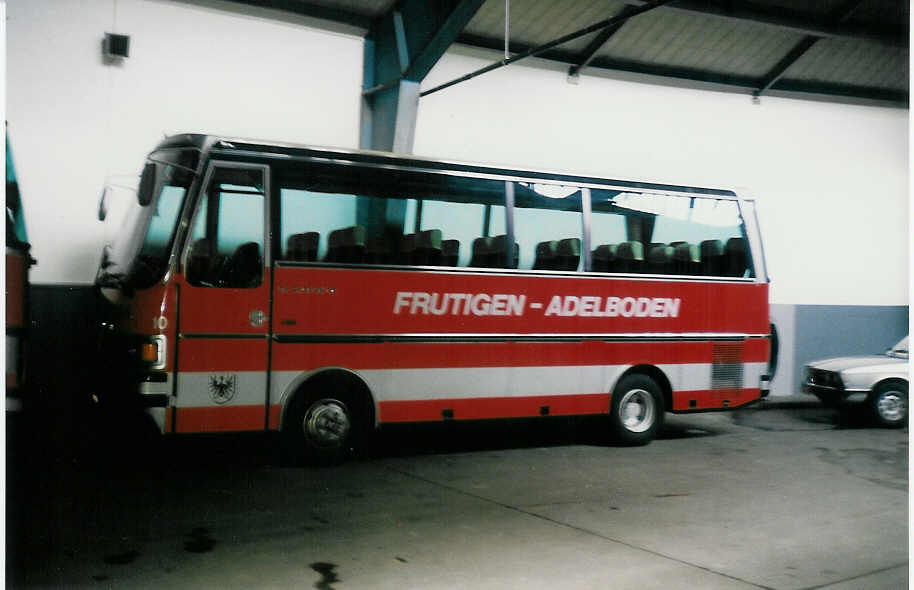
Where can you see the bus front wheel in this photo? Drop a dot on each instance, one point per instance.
(636, 410)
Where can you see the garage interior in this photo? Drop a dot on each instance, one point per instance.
(805, 104)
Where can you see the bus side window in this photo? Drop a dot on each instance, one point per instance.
(607, 233)
(308, 221)
(706, 236)
(667, 234)
(548, 226)
(448, 231)
(228, 235)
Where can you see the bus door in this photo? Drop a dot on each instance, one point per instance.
(224, 304)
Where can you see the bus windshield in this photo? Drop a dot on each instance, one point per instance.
(139, 255)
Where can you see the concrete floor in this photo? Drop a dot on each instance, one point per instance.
(784, 496)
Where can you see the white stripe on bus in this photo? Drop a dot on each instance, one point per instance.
(428, 384)
(196, 389)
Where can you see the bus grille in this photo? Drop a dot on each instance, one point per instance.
(727, 366)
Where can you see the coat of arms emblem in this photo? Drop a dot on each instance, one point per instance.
(222, 388)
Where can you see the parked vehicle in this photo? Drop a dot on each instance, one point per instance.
(323, 293)
(879, 382)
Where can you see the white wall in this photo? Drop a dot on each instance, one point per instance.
(831, 179)
(73, 120)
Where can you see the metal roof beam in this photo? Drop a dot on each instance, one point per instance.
(401, 47)
(797, 22)
(882, 95)
(431, 28)
(840, 15)
(598, 42)
(775, 74)
(704, 77)
(546, 47)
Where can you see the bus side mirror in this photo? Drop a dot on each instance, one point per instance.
(147, 184)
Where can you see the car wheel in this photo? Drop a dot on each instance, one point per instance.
(636, 410)
(889, 404)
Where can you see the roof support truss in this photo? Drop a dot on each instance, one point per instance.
(794, 21)
(546, 47)
(400, 49)
(840, 15)
(598, 42)
(703, 77)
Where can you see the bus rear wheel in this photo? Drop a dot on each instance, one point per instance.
(320, 428)
(636, 410)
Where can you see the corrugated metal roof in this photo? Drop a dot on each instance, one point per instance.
(840, 49)
(861, 63)
(534, 22)
(688, 40)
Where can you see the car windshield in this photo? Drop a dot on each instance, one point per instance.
(900, 350)
(139, 255)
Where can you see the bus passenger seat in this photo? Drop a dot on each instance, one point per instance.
(659, 259)
(498, 258)
(407, 249)
(686, 260)
(244, 267)
(629, 257)
(735, 263)
(568, 254)
(302, 247)
(603, 257)
(450, 252)
(482, 248)
(711, 257)
(347, 244)
(544, 258)
(378, 251)
(428, 248)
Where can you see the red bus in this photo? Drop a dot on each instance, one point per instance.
(325, 292)
(18, 262)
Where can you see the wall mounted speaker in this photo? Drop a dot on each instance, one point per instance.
(116, 46)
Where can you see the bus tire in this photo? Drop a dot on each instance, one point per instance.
(889, 404)
(322, 425)
(636, 410)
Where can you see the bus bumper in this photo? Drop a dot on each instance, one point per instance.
(764, 385)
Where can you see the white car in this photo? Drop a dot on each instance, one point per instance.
(880, 382)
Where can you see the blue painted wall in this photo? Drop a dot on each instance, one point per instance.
(811, 332)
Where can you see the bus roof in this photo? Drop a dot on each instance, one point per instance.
(231, 145)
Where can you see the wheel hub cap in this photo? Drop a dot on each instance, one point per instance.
(637, 409)
(892, 406)
(327, 423)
